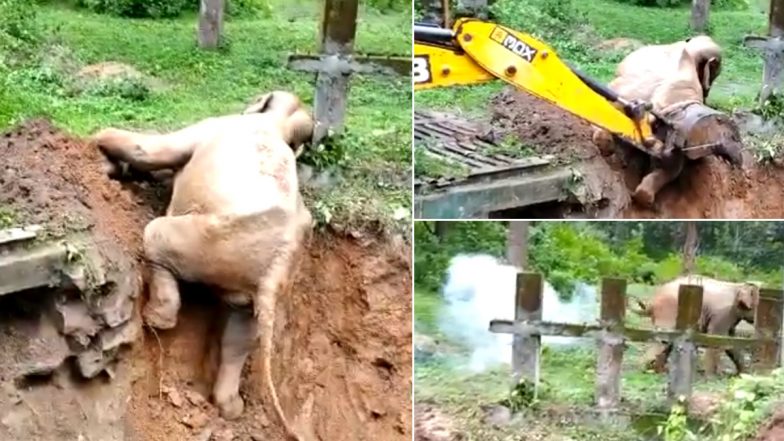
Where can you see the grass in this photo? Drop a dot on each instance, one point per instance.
(196, 84)
(566, 401)
(736, 87)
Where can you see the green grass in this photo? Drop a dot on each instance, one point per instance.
(373, 172)
(736, 87)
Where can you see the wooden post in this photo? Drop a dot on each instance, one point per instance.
(210, 23)
(700, 10)
(338, 28)
(772, 48)
(611, 344)
(517, 244)
(683, 357)
(767, 322)
(526, 348)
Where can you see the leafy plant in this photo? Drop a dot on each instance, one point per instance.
(522, 396)
(20, 29)
(128, 87)
(138, 8)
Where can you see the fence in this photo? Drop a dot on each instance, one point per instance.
(611, 334)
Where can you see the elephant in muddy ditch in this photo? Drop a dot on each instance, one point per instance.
(236, 223)
(724, 306)
(675, 80)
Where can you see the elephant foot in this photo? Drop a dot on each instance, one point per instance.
(644, 196)
(231, 408)
(157, 318)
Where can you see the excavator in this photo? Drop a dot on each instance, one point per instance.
(475, 51)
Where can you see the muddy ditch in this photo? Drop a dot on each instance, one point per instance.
(707, 188)
(341, 356)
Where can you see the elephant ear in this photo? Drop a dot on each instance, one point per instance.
(708, 71)
(260, 104)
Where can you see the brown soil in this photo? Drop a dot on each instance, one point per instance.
(706, 189)
(52, 179)
(342, 353)
(773, 429)
(433, 425)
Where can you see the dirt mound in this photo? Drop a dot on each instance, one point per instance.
(341, 357)
(433, 425)
(52, 179)
(773, 429)
(708, 188)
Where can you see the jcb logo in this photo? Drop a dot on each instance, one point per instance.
(514, 44)
(421, 69)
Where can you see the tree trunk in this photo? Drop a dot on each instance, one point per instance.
(690, 247)
(700, 9)
(210, 23)
(517, 244)
(442, 229)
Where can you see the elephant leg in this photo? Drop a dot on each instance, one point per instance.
(161, 308)
(603, 141)
(174, 247)
(656, 357)
(711, 361)
(238, 340)
(735, 355)
(653, 182)
(737, 359)
(148, 152)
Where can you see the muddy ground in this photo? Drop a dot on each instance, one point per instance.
(341, 357)
(707, 188)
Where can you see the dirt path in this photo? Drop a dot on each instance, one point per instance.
(707, 188)
(342, 357)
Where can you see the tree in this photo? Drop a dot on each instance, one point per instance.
(690, 247)
(517, 244)
(210, 23)
(442, 229)
(700, 9)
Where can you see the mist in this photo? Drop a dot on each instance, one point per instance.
(479, 289)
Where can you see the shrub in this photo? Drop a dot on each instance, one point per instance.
(139, 8)
(129, 88)
(716, 4)
(247, 8)
(551, 19)
(20, 30)
(388, 5)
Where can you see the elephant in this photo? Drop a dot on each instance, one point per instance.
(668, 77)
(724, 306)
(644, 70)
(236, 223)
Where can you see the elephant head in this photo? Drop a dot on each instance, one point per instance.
(707, 57)
(295, 122)
(683, 85)
(747, 297)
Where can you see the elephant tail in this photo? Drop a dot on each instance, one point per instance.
(265, 314)
(644, 309)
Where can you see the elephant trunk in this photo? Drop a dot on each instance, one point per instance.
(706, 131)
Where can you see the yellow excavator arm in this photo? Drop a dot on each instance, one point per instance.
(475, 51)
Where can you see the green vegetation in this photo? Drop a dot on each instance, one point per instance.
(750, 399)
(176, 8)
(646, 252)
(44, 47)
(574, 28)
